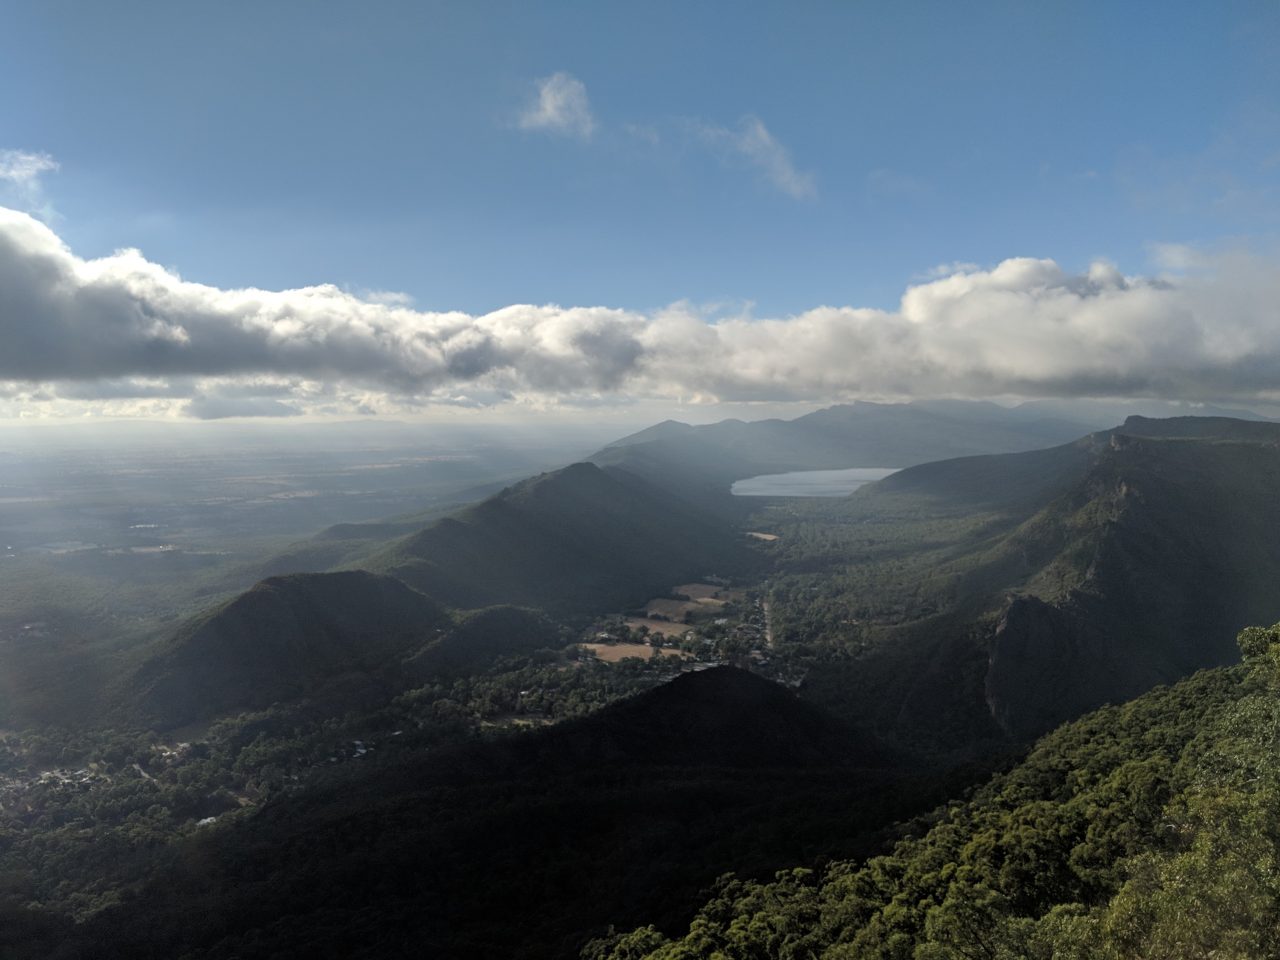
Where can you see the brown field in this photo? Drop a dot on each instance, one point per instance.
(671, 609)
(613, 652)
(708, 595)
(664, 627)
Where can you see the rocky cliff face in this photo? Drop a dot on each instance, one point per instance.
(1050, 662)
(1167, 552)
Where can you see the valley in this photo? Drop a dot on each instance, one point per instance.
(630, 663)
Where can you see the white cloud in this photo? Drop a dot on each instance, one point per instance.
(752, 141)
(123, 334)
(20, 178)
(389, 298)
(560, 107)
(23, 168)
(947, 269)
(1177, 257)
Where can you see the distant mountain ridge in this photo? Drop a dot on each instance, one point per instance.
(1131, 557)
(1080, 608)
(705, 460)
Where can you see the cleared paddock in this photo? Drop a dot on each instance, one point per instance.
(613, 652)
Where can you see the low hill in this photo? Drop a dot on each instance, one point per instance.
(580, 540)
(720, 717)
(526, 846)
(482, 636)
(1143, 830)
(285, 638)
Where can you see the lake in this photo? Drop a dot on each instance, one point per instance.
(810, 483)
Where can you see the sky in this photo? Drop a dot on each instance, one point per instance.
(410, 209)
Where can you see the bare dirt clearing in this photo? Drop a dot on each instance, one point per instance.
(664, 627)
(705, 594)
(613, 652)
(670, 609)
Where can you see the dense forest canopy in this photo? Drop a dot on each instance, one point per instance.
(1141, 831)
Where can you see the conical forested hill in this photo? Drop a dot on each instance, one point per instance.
(286, 637)
(578, 540)
(526, 846)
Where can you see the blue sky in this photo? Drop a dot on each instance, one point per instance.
(377, 145)
(746, 159)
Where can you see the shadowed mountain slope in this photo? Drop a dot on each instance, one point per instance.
(721, 717)
(1093, 572)
(1143, 830)
(285, 638)
(1166, 549)
(481, 636)
(578, 540)
(523, 847)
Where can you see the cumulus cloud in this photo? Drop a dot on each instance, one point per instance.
(392, 298)
(752, 142)
(561, 107)
(123, 330)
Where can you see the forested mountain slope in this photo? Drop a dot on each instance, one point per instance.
(580, 540)
(998, 596)
(525, 846)
(576, 542)
(1141, 832)
(286, 637)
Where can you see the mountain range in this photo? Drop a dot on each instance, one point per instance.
(1100, 567)
(922, 633)
(1069, 577)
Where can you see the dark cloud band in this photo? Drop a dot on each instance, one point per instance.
(1025, 328)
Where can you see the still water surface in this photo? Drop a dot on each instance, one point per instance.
(810, 483)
